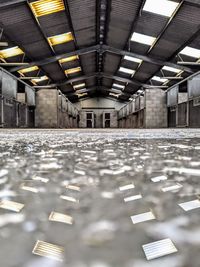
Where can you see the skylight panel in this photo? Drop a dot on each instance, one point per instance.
(46, 7)
(39, 79)
(133, 59)
(72, 71)
(159, 79)
(143, 39)
(191, 52)
(68, 59)
(118, 86)
(161, 7)
(11, 52)
(78, 86)
(127, 71)
(61, 38)
(27, 70)
(171, 69)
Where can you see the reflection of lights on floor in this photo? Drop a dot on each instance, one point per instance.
(11, 205)
(159, 248)
(132, 198)
(59, 217)
(71, 199)
(143, 217)
(190, 205)
(126, 187)
(172, 188)
(48, 250)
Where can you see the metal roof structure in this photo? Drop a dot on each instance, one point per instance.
(105, 48)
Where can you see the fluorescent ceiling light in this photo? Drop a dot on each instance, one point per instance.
(191, 52)
(161, 7)
(68, 59)
(159, 79)
(171, 69)
(27, 70)
(115, 95)
(118, 85)
(46, 7)
(11, 52)
(83, 94)
(143, 39)
(60, 39)
(73, 70)
(133, 59)
(128, 71)
(40, 79)
(77, 86)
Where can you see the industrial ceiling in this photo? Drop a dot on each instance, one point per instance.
(109, 48)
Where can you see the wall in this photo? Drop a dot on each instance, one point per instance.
(155, 108)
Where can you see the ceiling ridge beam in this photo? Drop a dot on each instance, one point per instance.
(7, 3)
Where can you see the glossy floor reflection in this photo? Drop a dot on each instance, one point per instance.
(100, 198)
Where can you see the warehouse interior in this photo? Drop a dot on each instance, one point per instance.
(99, 133)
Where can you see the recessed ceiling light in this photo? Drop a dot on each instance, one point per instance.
(128, 71)
(30, 69)
(77, 86)
(11, 52)
(191, 52)
(73, 70)
(159, 79)
(68, 59)
(60, 39)
(143, 39)
(164, 7)
(46, 7)
(171, 69)
(40, 79)
(133, 59)
(118, 85)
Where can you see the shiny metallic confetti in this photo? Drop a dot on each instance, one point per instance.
(11, 205)
(159, 178)
(126, 187)
(59, 217)
(159, 249)
(132, 198)
(48, 250)
(172, 188)
(73, 187)
(143, 217)
(71, 199)
(190, 205)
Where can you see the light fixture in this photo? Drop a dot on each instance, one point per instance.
(81, 95)
(68, 59)
(171, 69)
(125, 70)
(27, 70)
(164, 7)
(115, 95)
(73, 70)
(11, 52)
(191, 52)
(118, 85)
(77, 86)
(143, 39)
(133, 59)
(3, 43)
(61, 38)
(159, 79)
(46, 7)
(40, 79)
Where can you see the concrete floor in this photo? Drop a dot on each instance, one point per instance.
(38, 166)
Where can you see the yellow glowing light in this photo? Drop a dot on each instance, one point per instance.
(11, 52)
(39, 79)
(74, 70)
(30, 69)
(46, 7)
(60, 39)
(68, 59)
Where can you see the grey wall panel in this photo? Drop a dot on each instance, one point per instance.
(9, 86)
(137, 103)
(182, 114)
(171, 118)
(30, 96)
(194, 115)
(172, 96)
(194, 86)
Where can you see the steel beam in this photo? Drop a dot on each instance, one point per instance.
(7, 3)
(52, 59)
